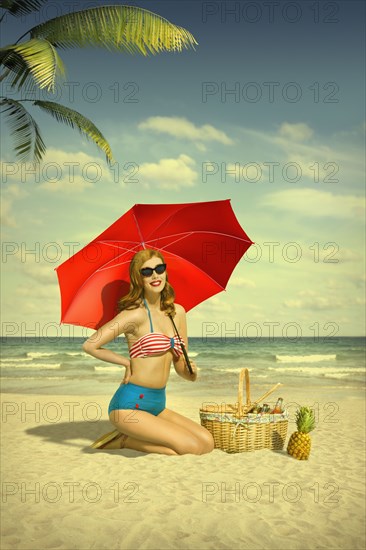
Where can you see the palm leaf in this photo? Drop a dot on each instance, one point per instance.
(21, 7)
(36, 60)
(76, 120)
(122, 28)
(27, 136)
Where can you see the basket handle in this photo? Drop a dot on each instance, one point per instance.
(244, 373)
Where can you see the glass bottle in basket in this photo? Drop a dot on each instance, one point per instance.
(278, 406)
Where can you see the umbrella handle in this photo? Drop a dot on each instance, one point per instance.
(182, 346)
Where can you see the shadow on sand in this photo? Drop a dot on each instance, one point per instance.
(72, 434)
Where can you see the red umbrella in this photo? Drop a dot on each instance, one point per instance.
(201, 242)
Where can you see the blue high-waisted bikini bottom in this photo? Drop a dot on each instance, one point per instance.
(132, 396)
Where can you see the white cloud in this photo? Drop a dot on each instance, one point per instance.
(72, 173)
(346, 255)
(182, 128)
(44, 255)
(42, 273)
(314, 203)
(62, 171)
(33, 264)
(9, 195)
(215, 305)
(41, 292)
(358, 280)
(169, 173)
(201, 147)
(321, 163)
(313, 303)
(311, 160)
(309, 299)
(355, 132)
(242, 282)
(296, 132)
(7, 218)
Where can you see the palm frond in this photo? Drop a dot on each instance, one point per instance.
(28, 140)
(21, 7)
(122, 28)
(76, 120)
(34, 61)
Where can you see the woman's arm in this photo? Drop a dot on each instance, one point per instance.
(108, 332)
(179, 363)
(182, 370)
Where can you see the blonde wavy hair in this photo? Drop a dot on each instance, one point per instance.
(133, 299)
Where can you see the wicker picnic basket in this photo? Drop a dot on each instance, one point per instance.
(235, 430)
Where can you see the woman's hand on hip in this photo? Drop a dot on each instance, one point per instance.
(127, 375)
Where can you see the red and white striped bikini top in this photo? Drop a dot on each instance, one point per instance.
(155, 342)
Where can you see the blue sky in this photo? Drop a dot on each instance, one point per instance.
(286, 148)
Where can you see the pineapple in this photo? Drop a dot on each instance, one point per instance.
(300, 442)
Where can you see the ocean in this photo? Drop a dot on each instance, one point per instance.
(59, 366)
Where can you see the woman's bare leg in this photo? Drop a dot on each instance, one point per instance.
(137, 445)
(149, 433)
(201, 433)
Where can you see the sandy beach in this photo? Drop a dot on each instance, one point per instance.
(57, 492)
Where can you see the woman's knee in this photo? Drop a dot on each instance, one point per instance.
(206, 439)
(189, 445)
(208, 442)
(196, 446)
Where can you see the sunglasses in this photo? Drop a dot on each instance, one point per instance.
(148, 271)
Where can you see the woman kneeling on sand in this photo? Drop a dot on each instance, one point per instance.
(137, 409)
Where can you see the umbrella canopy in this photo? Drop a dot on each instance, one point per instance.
(201, 243)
